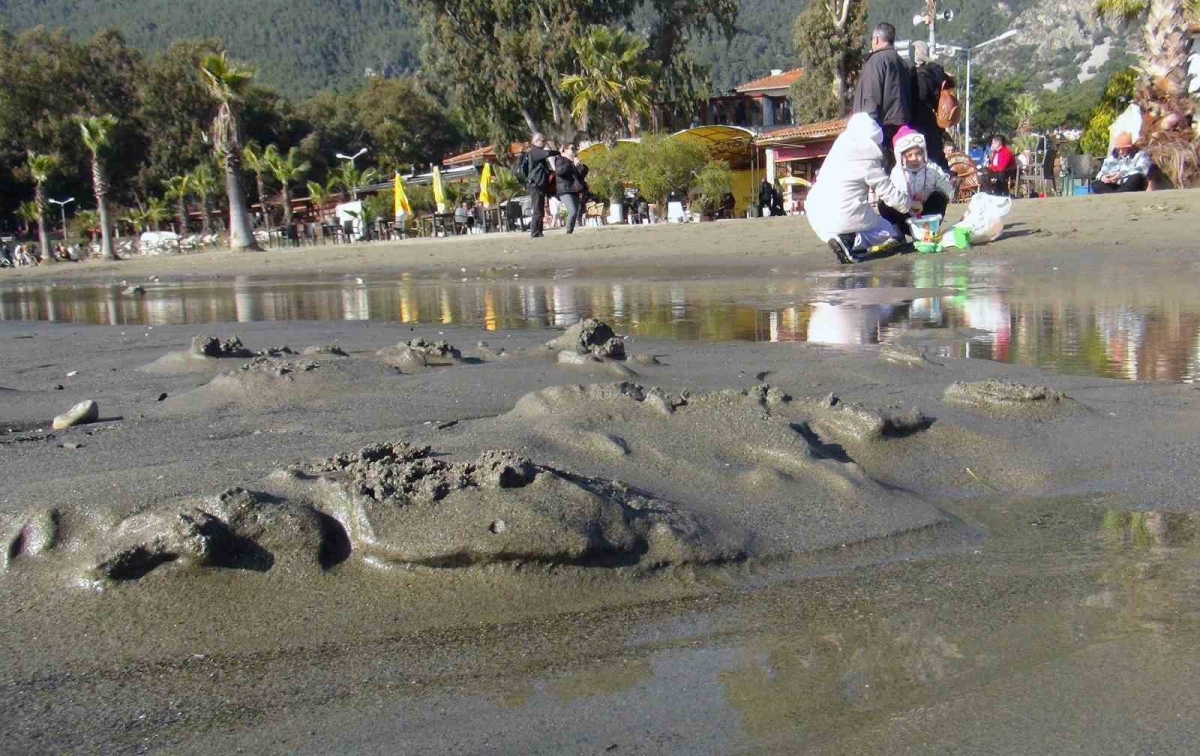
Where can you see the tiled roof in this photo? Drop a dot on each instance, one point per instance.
(809, 131)
(467, 158)
(774, 81)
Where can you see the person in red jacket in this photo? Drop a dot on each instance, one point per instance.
(1001, 167)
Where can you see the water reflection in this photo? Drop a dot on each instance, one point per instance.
(955, 307)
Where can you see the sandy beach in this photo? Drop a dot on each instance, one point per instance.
(376, 537)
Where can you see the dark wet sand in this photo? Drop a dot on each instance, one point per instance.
(1048, 607)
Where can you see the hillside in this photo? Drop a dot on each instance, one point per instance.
(302, 46)
(1059, 39)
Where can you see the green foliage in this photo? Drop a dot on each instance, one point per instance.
(507, 59)
(828, 56)
(84, 224)
(611, 89)
(1118, 91)
(713, 182)
(609, 170)
(505, 185)
(659, 166)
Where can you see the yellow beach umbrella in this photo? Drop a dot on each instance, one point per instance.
(485, 185)
(439, 194)
(401, 200)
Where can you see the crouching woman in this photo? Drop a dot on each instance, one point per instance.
(839, 207)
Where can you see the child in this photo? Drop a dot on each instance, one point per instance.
(838, 208)
(929, 188)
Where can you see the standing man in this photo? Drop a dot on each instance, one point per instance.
(884, 89)
(928, 80)
(537, 181)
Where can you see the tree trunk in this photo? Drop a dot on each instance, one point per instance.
(241, 234)
(205, 221)
(181, 216)
(262, 201)
(100, 185)
(39, 199)
(287, 205)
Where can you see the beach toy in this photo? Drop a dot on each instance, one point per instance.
(962, 236)
(925, 232)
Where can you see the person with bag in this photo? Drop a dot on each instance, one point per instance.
(931, 95)
(839, 208)
(534, 166)
(570, 177)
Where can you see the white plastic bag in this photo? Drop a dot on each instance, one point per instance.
(985, 217)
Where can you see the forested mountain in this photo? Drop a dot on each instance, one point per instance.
(302, 46)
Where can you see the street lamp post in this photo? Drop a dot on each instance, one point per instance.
(969, 51)
(62, 206)
(351, 159)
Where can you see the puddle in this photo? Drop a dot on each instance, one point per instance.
(1132, 323)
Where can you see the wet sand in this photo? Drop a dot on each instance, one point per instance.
(1153, 225)
(700, 548)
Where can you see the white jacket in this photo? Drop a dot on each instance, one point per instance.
(921, 183)
(839, 202)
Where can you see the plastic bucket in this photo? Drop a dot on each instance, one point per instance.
(925, 228)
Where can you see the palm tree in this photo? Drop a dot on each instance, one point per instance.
(41, 167)
(178, 188)
(613, 77)
(228, 84)
(97, 135)
(27, 213)
(203, 183)
(319, 195)
(1162, 88)
(155, 212)
(350, 178)
(260, 163)
(507, 185)
(87, 222)
(287, 169)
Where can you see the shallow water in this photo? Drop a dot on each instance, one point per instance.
(1112, 321)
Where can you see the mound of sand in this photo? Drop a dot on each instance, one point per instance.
(743, 462)
(203, 354)
(421, 354)
(590, 336)
(1004, 396)
(237, 529)
(387, 504)
(266, 382)
(401, 505)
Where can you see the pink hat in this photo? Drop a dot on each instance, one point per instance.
(903, 132)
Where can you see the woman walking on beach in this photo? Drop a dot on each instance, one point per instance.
(570, 179)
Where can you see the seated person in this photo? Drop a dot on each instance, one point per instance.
(838, 207)
(1001, 167)
(929, 187)
(1125, 170)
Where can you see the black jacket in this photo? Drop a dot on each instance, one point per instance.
(884, 89)
(539, 170)
(926, 94)
(569, 178)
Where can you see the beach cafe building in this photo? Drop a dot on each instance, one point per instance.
(792, 156)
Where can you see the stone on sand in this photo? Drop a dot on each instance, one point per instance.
(420, 353)
(590, 336)
(84, 412)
